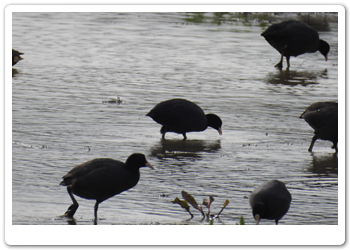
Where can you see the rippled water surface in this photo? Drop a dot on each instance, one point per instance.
(76, 63)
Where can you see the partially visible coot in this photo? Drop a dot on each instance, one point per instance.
(270, 201)
(323, 118)
(293, 38)
(101, 179)
(182, 116)
(16, 56)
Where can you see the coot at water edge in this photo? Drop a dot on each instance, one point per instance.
(101, 179)
(270, 201)
(182, 116)
(293, 38)
(323, 118)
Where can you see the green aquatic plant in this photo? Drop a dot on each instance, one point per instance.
(197, 17)
(207, 203)
(241, 221)
(224, 206)
(183, 204)
(189, 199)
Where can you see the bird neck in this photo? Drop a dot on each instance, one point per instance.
(214, 121)
(133, 170)
(260, 209)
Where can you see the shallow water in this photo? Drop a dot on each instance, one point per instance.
(74, 63)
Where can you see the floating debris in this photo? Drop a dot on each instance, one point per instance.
(88, 148)
(113, 100)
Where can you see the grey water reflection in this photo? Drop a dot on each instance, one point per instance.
(324, 164)
(294, 77)
(184, 148)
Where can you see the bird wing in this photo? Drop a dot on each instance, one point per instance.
(89, 167)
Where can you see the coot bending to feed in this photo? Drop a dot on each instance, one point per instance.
(182, 116)
(16, 56)
(101, 179)
(270, 201)
(323, 118)
(293, 38)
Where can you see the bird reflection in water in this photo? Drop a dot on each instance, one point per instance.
(184, 148)
(324, 164)
(293, 78)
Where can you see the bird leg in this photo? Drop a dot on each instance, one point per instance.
(288, 65)
(95, 210)
(280, 63)
(312, 143)
(163, 130)
(185, 137)
(72, 208)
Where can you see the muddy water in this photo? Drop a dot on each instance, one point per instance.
(75, 63)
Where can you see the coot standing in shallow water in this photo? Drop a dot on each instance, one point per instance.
(16, 56)
(323, 118)
(270, 201)
(182, 116)
(102, 178)
(293, 38)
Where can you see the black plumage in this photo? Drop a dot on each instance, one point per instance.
(102, 178)
(16, 56)
(293, 38)
(182, 116)
(270, 200)
(323, 118)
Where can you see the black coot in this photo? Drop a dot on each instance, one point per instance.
(102, 178)
(293, 38)
(16, 56)
(182, 116)
(323, 118)
(270, 201)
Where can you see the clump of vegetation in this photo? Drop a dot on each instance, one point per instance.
(206, 202)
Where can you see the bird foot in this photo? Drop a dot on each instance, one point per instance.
(335, 147)
(70, 211)
(279, 65)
